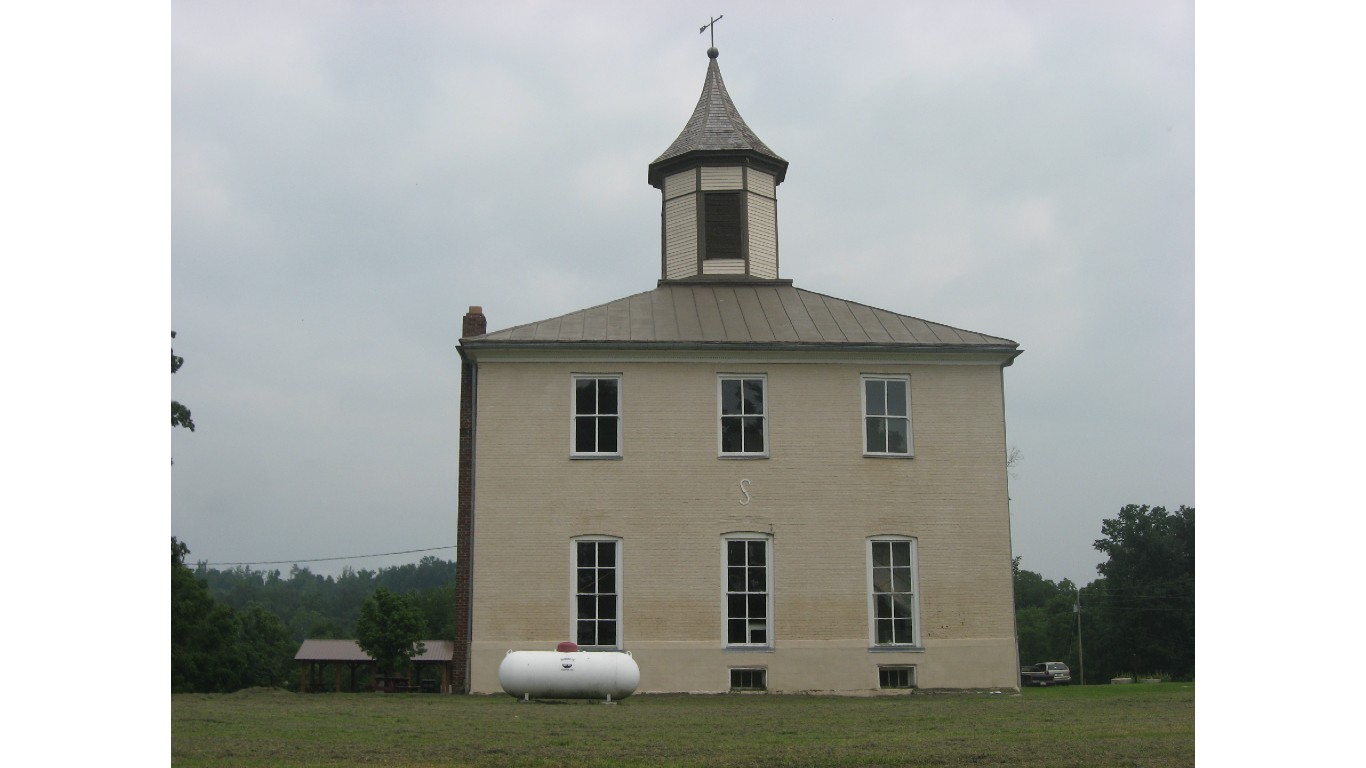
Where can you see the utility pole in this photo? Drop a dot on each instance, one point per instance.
(1081, 660)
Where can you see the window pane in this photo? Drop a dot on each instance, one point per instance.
(901, 580)
(883, 607)
(607, 553)
(607, 580)
(754, 434)
(896, 398)
(758, 632)
(607, 633)
(730, 396)
(585, 393)
(875, 394)
(884, 631)
(607, 607)
(757, 581)
(754, 396)
(735, 553)
(731, 439)
(587, 550)
(735, 579)
(584, 428)
(882, 579)
(735, 606)
(882, 554)
(585, 580)
(588, 607)
(897, 432)
(756, 552)
(735, 631)
(607, 434)
(586, 633)
(877, 434)
(901, 553)
(607, 396)
(758, 607)
(901, 604)
(901, 630)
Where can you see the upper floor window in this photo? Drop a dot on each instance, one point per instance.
(887, 415)
(722, 213)
(894, 611)
(597, 592)
(749, 596)
(597, 416)
(744, 421)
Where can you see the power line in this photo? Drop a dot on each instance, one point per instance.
(327, 559)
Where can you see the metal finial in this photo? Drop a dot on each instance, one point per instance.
(711, 24)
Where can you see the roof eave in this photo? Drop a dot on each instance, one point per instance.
(708, 157)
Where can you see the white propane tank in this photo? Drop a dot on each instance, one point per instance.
(569, 674)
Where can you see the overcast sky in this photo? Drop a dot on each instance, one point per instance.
(348, 177)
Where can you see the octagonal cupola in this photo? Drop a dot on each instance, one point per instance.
(719, 182)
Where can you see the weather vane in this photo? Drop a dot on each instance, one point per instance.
(711, 24)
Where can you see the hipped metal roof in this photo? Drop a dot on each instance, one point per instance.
(758, 314)
(349, 651)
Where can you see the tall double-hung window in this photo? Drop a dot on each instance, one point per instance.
(887, 416)
(894, 609)
(748, 573)
(597, 416)
(744, 415)
(597, 592)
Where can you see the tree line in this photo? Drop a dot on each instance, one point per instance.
(239, 628)
(1138, 618)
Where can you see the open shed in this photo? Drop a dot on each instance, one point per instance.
(432, 667)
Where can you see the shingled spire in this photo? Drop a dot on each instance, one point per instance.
(720, 214)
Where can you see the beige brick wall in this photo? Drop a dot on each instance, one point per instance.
(670, 498)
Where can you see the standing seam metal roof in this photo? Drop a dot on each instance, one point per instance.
(754, 314)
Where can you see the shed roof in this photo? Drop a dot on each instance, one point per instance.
(349, 650)
(739, 314)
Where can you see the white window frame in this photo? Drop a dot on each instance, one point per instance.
(913, 644)
(574, 590)
(769, 623)
(910, 431)
(574, 415)
(721, 378)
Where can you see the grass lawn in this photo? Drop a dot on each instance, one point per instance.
(1128, 725)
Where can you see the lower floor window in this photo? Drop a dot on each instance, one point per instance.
(748, 679)
(896, 677)
(595, 593)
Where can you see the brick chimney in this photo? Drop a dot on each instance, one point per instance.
(475, 324)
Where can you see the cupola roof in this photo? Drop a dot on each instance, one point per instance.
(715, 129)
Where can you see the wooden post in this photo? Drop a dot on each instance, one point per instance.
(303, 677)
(336, 675)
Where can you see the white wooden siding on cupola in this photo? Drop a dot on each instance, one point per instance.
(682, 258)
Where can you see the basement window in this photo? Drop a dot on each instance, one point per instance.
(896, 677)
(749, 679)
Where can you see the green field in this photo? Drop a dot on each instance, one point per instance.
(1131, 725)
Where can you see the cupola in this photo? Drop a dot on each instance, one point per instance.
(719, 183)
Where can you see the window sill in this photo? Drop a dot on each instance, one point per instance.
(897, 649)
(595, 457)
(748, 649)
(888, 455)
(743, 456)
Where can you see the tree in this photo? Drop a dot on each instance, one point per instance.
(206, 656)
(267, 648)
(180, 415)
(1149, 595)
(390, 628)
